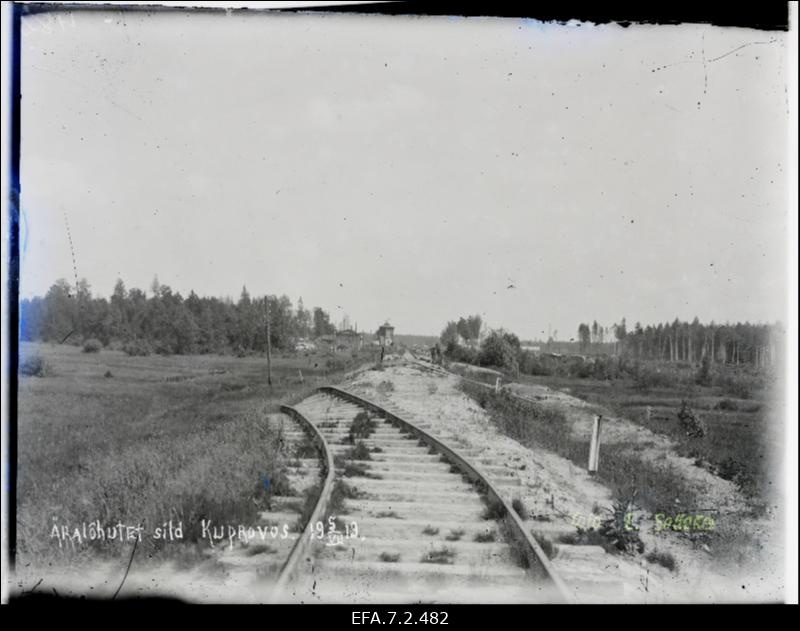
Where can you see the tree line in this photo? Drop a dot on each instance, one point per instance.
(682, 341)
(165, 322)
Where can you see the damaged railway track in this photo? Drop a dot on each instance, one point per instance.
(400, 516)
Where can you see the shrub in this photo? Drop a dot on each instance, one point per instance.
(462, 354)
(35, 366)
(389, 557)
(530, 364)
(619, 528)
(359, 452)
(494, 509)
(664, 559)
(703, 377)
(580, 369)
(519, 508)
(92, 345)
(455, 535)
(485, 537)
(732, 469)
(361, 427)
(388, 514)
(727, 405)
(605, 368)
(442, 556)
(335, 364)
(137, 348)
(499, 350)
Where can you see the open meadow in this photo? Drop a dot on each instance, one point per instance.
(107, 437)
(742, 412)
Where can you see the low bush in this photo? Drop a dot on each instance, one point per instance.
(664, 559)
(519, 508)
(362, 426)
(442, 556)
(92, 345)
(456, 353)
(334, 364)
(137, 348)
(727, 405)
(455, 535)
(359, 452)
(494, 509)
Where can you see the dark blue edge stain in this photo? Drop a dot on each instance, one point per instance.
(765, 16)
(13, 282)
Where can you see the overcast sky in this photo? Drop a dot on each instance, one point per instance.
(415, 169)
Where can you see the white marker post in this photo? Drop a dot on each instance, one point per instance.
(497, 386)
(594, 447)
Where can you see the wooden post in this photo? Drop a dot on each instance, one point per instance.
(497, 386)
(594, 447)
(269, 345)
(301, 375)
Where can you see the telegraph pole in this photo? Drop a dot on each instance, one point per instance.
(269, 345)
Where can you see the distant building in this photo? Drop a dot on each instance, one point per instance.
(304, 345)
(385, 334)
(349, 340)
(326, 342)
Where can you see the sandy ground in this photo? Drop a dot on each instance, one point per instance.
(554, 488)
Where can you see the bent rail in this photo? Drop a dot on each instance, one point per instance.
(301, 545)
(532, 550)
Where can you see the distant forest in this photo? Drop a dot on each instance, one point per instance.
(165, 322)
(467, 340)
(679, 341)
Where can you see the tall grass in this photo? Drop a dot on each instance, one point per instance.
(545, 427)
(180, 438)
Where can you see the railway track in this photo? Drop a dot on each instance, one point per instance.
(399, 516)
(282, 521)
(588, 571)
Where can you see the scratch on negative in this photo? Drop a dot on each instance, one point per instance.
(730, 52)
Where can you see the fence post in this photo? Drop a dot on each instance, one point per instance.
(594, 447)
(497, 386)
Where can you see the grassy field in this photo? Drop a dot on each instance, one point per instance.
(743, 438)
(142, 440)
(742, 444)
